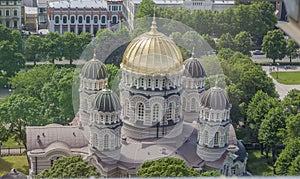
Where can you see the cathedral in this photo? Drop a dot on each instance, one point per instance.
(162, 110)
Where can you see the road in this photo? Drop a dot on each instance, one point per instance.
(262, 58)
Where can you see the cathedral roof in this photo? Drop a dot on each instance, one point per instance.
(107, 101)
(152, 53)
(215, 98)
(94, 70)
(193, 68)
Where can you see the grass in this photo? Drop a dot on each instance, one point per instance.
(257, 164)
(9, 162)
(11, 143)
(287, 78)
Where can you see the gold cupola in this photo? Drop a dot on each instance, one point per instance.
(152, 53)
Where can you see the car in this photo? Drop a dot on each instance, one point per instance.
(257, 52)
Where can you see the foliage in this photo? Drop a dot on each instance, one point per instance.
(69, 167)
(53, 46)
(285, 163)
(112, 70)
(213, 173)
(293, 127)
(166, 167)
(70, 46)
(225, 41)
(257, 164)
(257, 111)
(34, 48)
(243, 43)
(20, 111)
(210, 41)
(274, 45)
(291, 49)
(291, 101)
(145, 8)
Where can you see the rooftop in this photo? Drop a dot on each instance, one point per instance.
(78, 4)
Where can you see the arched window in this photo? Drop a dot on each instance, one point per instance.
(95, 140)
(65, 19)
(216, 139)
(155, 112)
(105, 145)
(205, 137)
(140, 111)
(171, 111)
(95, 19)
(193, 104)
(103, 19)
(80, 19)
(72, 19)
(226, 138)
(88, 19)
(184, 103)
(56, 19)
(126, 107)
(114, 20)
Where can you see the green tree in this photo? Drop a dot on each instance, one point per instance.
(34, 47)
(257, 111)
(53, 46)
(292, 101)
(211, 42)
(270, 129)
(166, 167)
(70, 167)
(284, 162)
(294, 169)
(225, 41)
(293, 127)
(20, 111)
(291, 49)
(145, 9)
(274, 45)
(243, 43)
(112, 70)
(213, 173)
(70, 44)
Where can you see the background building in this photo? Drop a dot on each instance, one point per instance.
(84, 16)
(10, 13)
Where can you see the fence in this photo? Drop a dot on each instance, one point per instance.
(12, 151)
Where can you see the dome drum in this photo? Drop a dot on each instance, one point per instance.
(106, 101)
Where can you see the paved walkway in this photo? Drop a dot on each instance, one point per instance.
(281, 88)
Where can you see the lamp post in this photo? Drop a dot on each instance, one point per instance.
(277, 71)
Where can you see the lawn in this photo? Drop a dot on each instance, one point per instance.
(11, 143)
(287, 78)
(9, 162)
(257, 164)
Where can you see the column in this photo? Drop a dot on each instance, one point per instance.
(76, 28)
(60, 28)
(68, 26)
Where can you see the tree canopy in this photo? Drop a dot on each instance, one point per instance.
(70, 167)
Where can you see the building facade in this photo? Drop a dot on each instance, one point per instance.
(84, 16)
(10, 14)
(146, 122)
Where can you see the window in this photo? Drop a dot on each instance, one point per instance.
(109, 8)
(72, 19)
(216, 139)
(64, 19)
(115, 8)
(163, 83)
(142, 82)
(140, 111)
(114, 20)
(103, 19)
(15, 2)
(183, 103)
(149, 83)
(171, 111)
(42, 10)
(7, 23)
(51, 162)
(95, 140)
(226, 138)
(15, 24)
(88, 19)
(155, 112)
(56, 19)
(205, 137)
(193, 104)
(105, 146)
(156, 83)
(0, 13)
(7, 3)
(80, 19)
(7, 13)
(206, 115)
(95, 19)
(15, 12)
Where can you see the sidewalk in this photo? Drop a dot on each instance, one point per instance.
(281, 88)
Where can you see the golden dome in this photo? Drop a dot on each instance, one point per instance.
(152, 53)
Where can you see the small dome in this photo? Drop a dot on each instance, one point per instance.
(215, 98)
(94, 70)
(193, 68)
(107, 101)
(152, 53)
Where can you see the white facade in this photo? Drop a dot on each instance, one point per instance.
(84, 16)
(10, 14)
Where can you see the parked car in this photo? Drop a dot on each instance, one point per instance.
(257, 52)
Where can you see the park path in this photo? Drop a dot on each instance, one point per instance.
(281, 88)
